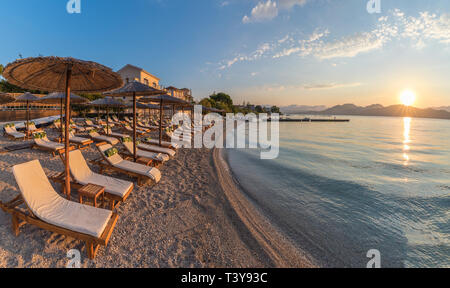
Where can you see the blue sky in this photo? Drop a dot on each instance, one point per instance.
(311, 52)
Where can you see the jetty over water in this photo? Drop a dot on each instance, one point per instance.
(312, 120)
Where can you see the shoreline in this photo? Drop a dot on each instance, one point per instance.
(278, 249)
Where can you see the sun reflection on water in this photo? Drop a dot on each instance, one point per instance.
(406, 139)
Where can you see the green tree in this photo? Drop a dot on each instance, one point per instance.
(207, 102)
(259, 109)
(275, 109)
(223, 98)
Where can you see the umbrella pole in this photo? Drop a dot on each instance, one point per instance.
(107, 121)
(61, 119)
(134, 127)
(160, 121)
(67, 144)
(28, 119)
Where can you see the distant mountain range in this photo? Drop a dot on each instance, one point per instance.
(445, 108)
(298, 109)
(380, 110)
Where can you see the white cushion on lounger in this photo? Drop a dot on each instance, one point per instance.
(156, 142)
(137, 168)
(114, 134)
(49, 144)
(157, 149)
(110, 140)
(150, 155)
(84, 175)
(14, 133)
(50, 207)
(144, 170)
(78, 140)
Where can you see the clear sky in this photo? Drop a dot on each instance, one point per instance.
(282, 52)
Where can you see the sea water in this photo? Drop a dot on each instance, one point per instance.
(338, 190)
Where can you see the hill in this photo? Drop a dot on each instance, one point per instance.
(379, 110)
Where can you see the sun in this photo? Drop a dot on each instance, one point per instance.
(408, 97)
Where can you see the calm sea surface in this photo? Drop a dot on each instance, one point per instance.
(341, 189)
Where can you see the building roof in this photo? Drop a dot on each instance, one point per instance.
(138, 68)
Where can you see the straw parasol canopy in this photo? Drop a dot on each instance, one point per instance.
(134, 89)
(138, 105)
(59, 97)
(62, 74)
(49, 74)
(27, 98)
(107, 103)
(6, 98)
(164, 99)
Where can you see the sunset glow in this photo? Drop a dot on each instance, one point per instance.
(408, 98)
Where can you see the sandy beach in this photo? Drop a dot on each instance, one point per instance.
(195, 217)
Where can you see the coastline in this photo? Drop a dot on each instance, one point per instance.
(268, 240)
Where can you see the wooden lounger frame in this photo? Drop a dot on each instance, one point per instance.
(20, 217)
(142, 160)
(104, 165)
(12, 137)
(114, 200)
(80, 146)
(53, 151)
(124, 130)
(170, 146)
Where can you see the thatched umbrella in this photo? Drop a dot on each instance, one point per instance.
(134, 89)
(107, 103)
(27, 98)
(6, 98)
(62, 74)
(163, 99)
(59, 98)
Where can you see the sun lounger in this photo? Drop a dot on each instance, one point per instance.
(11, 132)
(117, 163)
(128, 129)
(155, 148)
(91, 124)
(43, 143)
(165, 144)
(115, 134)
(116, 190)
(146, 126)
(102, 138)
(82, 143)
(158, 157)
(32, 127)
(46, 209)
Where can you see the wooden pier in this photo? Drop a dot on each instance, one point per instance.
(312, 120)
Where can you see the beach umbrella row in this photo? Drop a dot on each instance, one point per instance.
(60, 98)
(56, 74)
(134, 89)
(27, 98)
(163, 99)
(107, 103)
